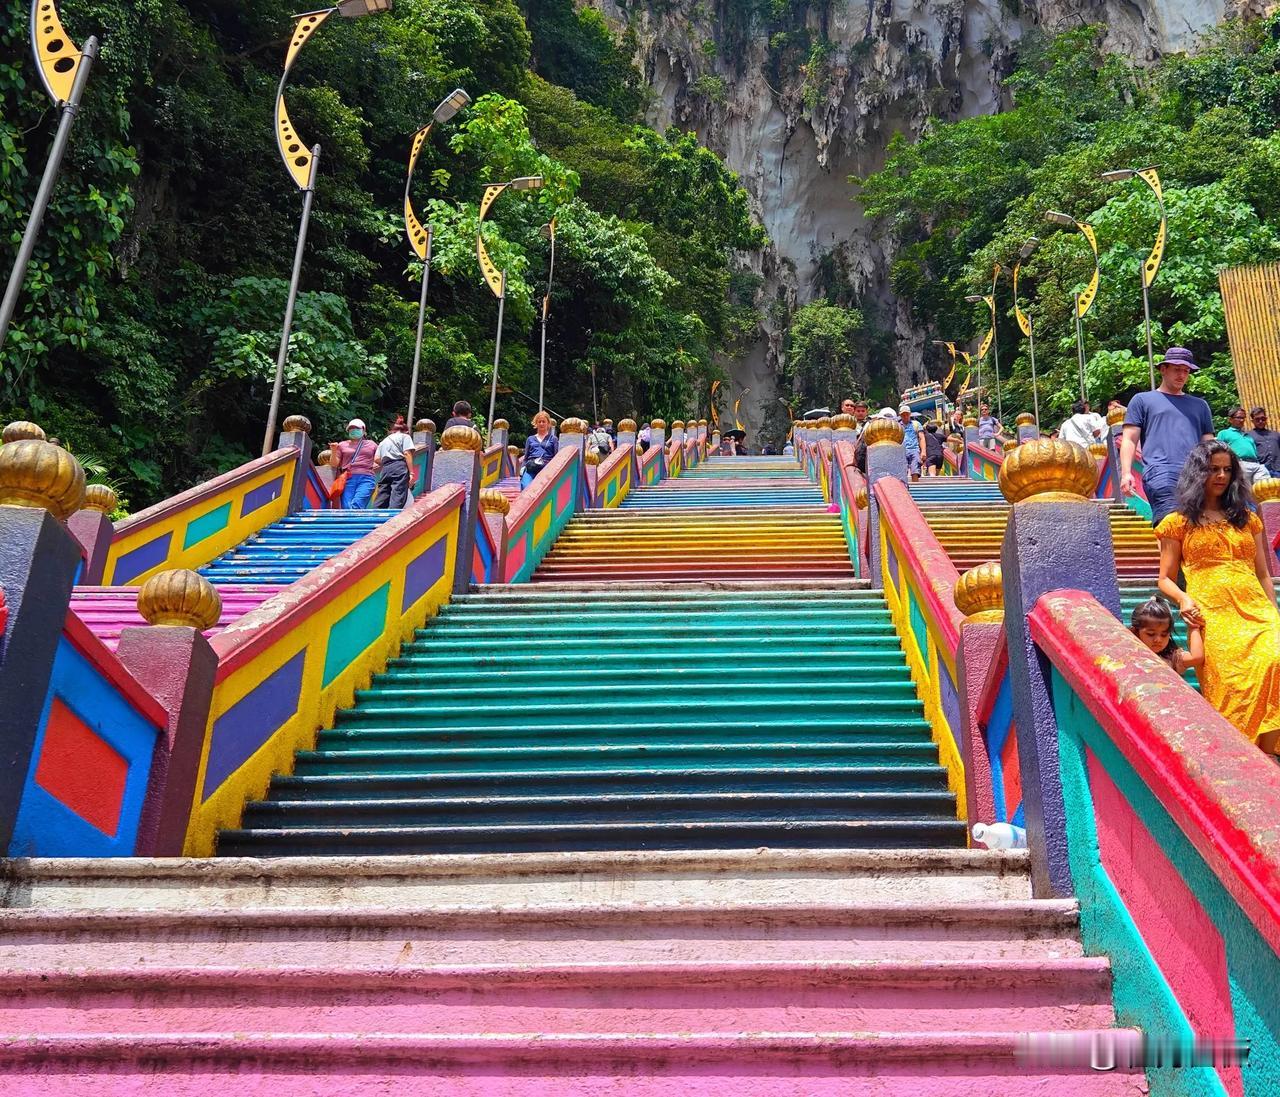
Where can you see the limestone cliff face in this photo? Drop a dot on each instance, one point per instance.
(795, 131)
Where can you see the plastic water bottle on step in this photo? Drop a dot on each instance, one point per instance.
(999, 836)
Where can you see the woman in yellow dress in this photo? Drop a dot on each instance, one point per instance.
(1216, 540)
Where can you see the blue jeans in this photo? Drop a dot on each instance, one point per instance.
(358, 492)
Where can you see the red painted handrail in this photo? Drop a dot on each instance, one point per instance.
(528, 501)
(995, 677)
(923, 554)
(257, 630)
(1217, 786)
(610, 464)
(995, 456)
(106, 663)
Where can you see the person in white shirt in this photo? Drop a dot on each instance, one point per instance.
(394, 461)
(1084, 427)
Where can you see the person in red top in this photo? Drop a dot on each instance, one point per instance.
(355, 457)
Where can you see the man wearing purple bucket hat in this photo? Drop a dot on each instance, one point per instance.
(1169, 424)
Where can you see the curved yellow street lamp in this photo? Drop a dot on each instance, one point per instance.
(420, 236)
(1025, 321)
(1084, 299)
(64, 72)
(302, 164)
(1152, 264)
(497, 279)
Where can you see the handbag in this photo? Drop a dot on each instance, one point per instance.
(339, 484)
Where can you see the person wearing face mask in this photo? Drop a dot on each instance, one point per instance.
(355, 457)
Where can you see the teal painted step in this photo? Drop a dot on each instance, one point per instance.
(668, 719)
(288, 549)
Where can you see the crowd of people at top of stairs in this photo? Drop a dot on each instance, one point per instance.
(385, 467)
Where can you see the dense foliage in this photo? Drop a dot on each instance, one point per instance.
(148, 329)
(968, 194)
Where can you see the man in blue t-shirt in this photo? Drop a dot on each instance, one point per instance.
(1169, 424)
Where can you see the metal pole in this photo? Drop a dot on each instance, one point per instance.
(497, 353)
(995, 355)
(542, 361)
(45, 191)
(422, 319)
(1146, 316)
(1035, 384)
(595, 407)
(307, 195)
(1080, 347)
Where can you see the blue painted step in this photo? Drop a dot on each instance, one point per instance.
(285, 551)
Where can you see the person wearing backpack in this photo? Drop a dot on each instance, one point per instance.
(354, 461)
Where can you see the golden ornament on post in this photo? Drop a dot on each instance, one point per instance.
(1048, 469)
(591, 456)
(38, 474)
(180, 597)
(513, 452)
(979, 593)
(627, 425)
(21, 430)
(970, 421)
(501, 424)
(99, 497)
(1267, 491)
(955, 442)
(1098, 449)
(824, 423)
(843, 422)
(492, 501)
(658, 424)
(702, 422)
(1009, 444)
(324, 457)
(1115, 417)
(1025, 419)
(862, 500)
(677, 424)
(882, 432)
(461, 437)
(424, 426)
(297, 424)
(573, 425)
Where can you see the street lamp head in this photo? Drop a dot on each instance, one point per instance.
(450, 105)
(939, 343)
(1029, 247)
(526, 182)
(1058, 218)
(354, 9)
(976, 299)
(1118, 176)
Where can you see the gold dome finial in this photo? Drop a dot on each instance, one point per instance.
(461, 437)
(296, 424)
(591, 455)
(425, 426)
(1098, 449)
(324, 457)
(573, 425)
(514, 451)
(882, 432)
(1267, 491)
(1010, 444)
(1115, 416)
(35, 473)
(180, 597)
(492, 501)
(1048, 469)
(702, 422)
(824, 423)
(99, 497)
(979, 593)
(862, 500)
(1025, 419)
(501, 424)
(678, 424)
(970, 420)
(20, 430)
(627, 425)
(843, 422)
(658, 424)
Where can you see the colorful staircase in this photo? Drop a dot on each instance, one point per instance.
(108, 610)
(969, 516)
(778, 973)
(728, 519)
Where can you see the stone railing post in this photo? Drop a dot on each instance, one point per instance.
(494, 508)
(1056, 537)
(173, 661)
(1115, 428)
(295, 432)
(92, 527)
(424, 452)
(658, 434)
(573, 435)
(844, 428)
(1267, 492)
(40, 485)
(1027, 428)
(822, 433)
(499, 433)
(677, 432)
(627, 432)
(458, 462)
(979, 595)
(591, 473)
(885, 458)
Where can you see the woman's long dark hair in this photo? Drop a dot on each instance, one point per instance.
(1237, 500)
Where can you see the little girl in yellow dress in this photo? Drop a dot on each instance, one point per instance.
(1217, 541)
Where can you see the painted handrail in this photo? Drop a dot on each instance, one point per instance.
(286, 667)
(540, 512)
(674, 460)
(86, 788)
(847, 481)
(1191, 759)
(1172, 821)
(919, 587)
(486, 556)
(997, 752)
(983, 463)
(650, 466)
(491, 465)
(200, 524)
(615, 477)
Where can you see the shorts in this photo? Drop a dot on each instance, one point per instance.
(913, 464)
(1163, 501)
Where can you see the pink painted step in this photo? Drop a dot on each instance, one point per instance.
(588, 1064)
(108, 610)
(509, 486)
